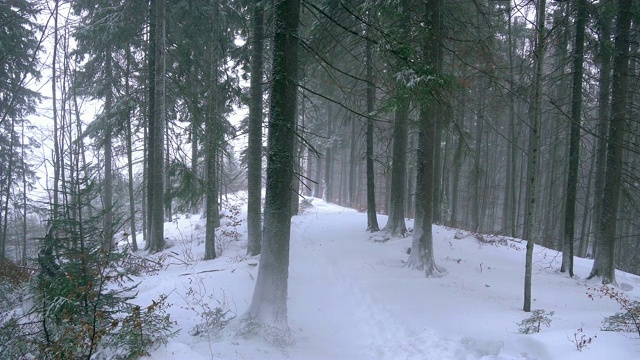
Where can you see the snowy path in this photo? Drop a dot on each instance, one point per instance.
(337, 262)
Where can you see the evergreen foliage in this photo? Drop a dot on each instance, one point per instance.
(80, 301)
(533, 323)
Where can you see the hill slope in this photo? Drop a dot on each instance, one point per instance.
(351, 298)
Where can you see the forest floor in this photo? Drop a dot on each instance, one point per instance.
(350, 296)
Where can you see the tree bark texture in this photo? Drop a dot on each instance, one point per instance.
(156, 172)
(422, 254)
(211, 138)
(574, 140)
(107, 241)
(372, 218)
(534, 155)
(269, 302)
(604, 264)
(254, 157)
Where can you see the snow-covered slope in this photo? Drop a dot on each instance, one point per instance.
(352, 298)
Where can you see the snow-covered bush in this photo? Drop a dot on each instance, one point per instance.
(140, 329)
(533, 323)
(228, 232)
(137, 264)
(214, 312)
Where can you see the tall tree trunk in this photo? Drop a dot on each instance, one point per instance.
(129, 140)
(586, 228)
(8, 180)
(437, 174)
(604, 92)
(604, 264)
(269, 302)
(295, 179)
(457, 163)
(477, 171)
(254, 157)
(574, 140)
(24, 201)
(328, 167)
(211, 138)
(168, 214)
(422, 254)
(372, 219)
(195, 126)
(411, 177)
(396, 222)
(534, 154)
(509, 209)
(157, 133)
(54, 110)
(353, 165)
(149, 129)
(107, 242)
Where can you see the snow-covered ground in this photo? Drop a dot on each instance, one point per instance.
(350, 297)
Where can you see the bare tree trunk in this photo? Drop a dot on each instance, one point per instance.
(269, 302)
(437, 174)
(353, 165)
(195, 126)
(157, 133)
(534, 154)
(107, 243)
(24, 202)
(254, 156)
(54, 109)
(168, 214)
(129, 135)
(604, 23)
(422, 254)
(9, 180)
(457, 163)
(295, 180)
(586, 228)
(396, 225)
(149, 129)
(508, 215)
(574, 141)
(211, 139)
(477, 169)
(372, 219)
(328, 167)
(604, 264)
